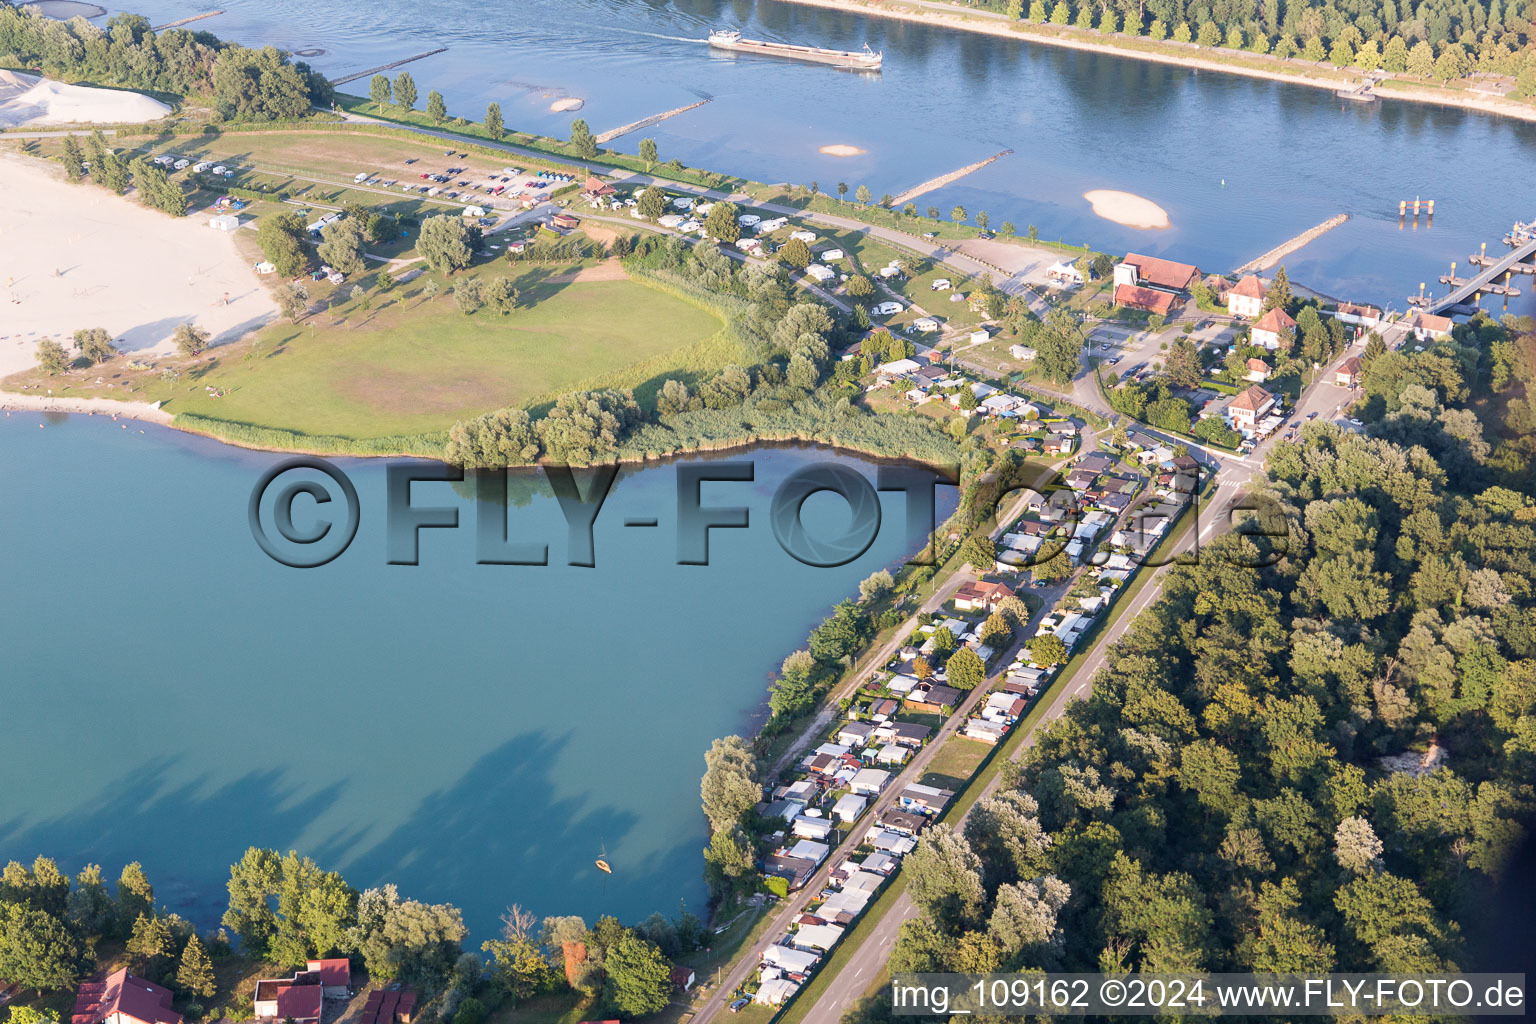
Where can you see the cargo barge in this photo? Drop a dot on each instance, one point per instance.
(856, 60)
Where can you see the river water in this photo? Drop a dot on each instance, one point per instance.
(1240, 164)
(476, 734)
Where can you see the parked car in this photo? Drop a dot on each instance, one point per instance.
(738, 1004)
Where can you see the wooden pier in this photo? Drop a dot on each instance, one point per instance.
(644, 122)
(185, 21)
(386, 67)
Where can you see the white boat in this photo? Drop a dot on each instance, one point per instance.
(859, 60)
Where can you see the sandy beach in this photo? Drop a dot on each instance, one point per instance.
(39, 402)
(27, 100)
(1127, 208)
(74, 256)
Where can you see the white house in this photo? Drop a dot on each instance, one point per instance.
(891, 842)
(869, 781)
(224, 222)
(1428, 327)
(849, 806)
(1023, 353)
(820, 273)
(979, 337)
(805, 236)
(776, 991)
(831, 254)
(773, 224)
(1246, 298)
(813, 828)
(941, 285)
(1248, 407)
(808, 849)
(925, 324)
(886, 309)
(898, 368)
(1270, 326)
(795, 961)
(855, 734)
(820, 937)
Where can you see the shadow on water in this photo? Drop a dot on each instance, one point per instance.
(504, 831)
(184, 836)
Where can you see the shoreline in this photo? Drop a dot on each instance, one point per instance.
(1064, 36)
(11, 401)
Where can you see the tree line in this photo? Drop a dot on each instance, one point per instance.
(242, 83)
(1442, 39)
(284, 909)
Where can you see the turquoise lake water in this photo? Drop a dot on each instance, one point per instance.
(476, 734)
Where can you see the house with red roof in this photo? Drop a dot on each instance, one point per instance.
(1348, 373)
(1246, 297)
(1152, 300)
(1428, 326)
(1365, 316)
(335, 976)
(287, 999)
(1248, 407)
(1153, 272)
(978, 595)
(123, 999)
(1258, 371)
(1271, 326)
(302, 997)
(596, 188)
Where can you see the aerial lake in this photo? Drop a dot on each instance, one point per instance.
(1241, 165)
(477, 734)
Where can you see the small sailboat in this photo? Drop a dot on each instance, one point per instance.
(602, 862)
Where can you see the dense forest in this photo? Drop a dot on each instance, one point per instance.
(1442, 39)
(241, 83)
(1316, 750)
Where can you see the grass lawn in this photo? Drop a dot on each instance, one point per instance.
(954, 763)
(412, 365)
(553, 1008)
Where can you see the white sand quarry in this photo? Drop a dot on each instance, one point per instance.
(74, 256)
(27, 100)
